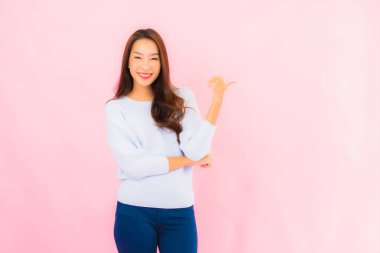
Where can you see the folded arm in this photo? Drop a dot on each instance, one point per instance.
(197, 134)
(133, 161)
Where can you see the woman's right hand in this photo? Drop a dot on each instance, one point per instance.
(204, 162)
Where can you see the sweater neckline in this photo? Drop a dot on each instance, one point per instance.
(139, 102)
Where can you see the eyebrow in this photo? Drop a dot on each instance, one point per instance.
(141, 53)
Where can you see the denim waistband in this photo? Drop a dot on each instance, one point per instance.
(127, 209)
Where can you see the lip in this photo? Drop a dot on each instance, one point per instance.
(145, 77)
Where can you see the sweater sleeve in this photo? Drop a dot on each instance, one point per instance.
(134, 162)
(197, 134)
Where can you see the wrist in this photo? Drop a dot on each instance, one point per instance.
(217, 97)
(189, 162)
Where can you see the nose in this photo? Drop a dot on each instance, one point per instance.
(145, 64)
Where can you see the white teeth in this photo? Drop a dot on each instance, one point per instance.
(145, 75)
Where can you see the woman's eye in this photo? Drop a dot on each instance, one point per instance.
(137, 57)
(155, 59)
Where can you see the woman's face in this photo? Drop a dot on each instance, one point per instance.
(144, 62)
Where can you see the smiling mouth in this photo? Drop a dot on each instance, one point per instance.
(145, 75)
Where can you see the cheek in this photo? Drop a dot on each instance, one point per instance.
(132, 65)
(157, 67)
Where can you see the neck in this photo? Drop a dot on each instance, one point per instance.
(141, 93)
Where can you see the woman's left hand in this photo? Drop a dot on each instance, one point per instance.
(218, 85)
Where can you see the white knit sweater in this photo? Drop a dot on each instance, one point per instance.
(140, 150)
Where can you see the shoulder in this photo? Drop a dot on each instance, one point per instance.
(185, 92)
(112, 106)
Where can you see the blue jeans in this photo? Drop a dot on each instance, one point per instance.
(141, 229)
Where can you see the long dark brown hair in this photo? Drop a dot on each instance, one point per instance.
(167, 108)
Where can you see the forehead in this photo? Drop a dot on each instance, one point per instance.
(144, 46)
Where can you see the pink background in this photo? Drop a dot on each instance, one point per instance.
(296, 151)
